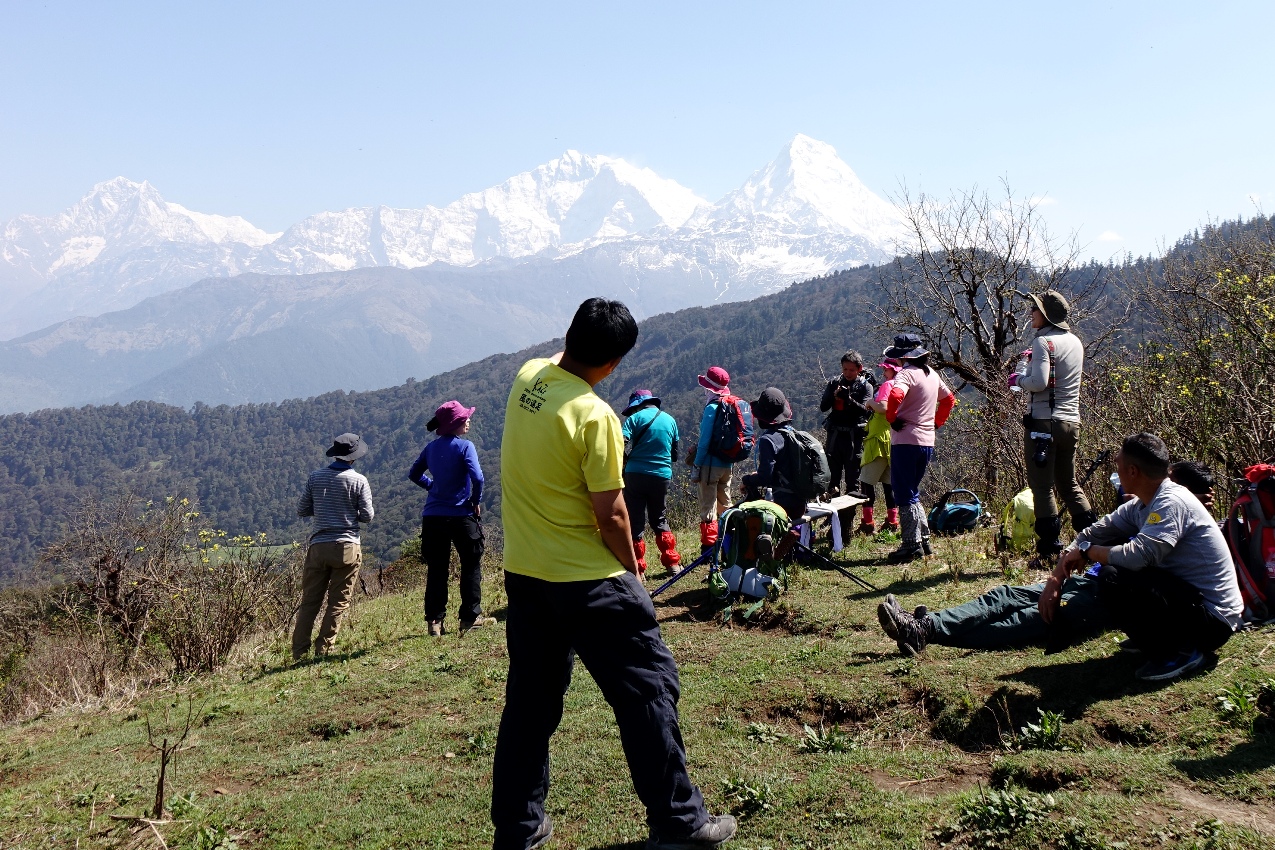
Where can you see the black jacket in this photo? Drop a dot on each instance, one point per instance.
(774, 469)
(846, 402)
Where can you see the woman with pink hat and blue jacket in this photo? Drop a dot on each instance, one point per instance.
(451, 517)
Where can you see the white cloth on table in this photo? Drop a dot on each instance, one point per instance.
(816, 510)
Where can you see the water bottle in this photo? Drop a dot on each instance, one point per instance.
(769, 495)
(1024, 364)
(1115, 481)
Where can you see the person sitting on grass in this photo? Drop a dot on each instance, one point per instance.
(1057, 613)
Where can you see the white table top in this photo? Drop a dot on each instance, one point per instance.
(840, 503)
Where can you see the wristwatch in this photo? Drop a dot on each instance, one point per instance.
(1083, 546)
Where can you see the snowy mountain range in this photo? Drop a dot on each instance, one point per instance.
(123, 260)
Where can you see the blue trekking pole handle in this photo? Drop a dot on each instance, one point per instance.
(682, 572)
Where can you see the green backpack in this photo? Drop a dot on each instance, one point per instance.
(749, 568)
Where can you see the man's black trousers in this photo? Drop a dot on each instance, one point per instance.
(438, 535)
(1160, 612)
(845, 452)
(611, 625)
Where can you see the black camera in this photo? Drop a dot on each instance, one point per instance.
(1040, 441)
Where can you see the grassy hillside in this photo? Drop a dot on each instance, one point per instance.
(246, 463)
(389, 742)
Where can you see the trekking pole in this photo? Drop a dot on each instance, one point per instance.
(1097, 461)
(864, 583)
(682, 572)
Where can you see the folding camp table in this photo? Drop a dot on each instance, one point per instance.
(829, 509)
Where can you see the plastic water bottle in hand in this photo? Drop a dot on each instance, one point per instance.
(1024, 364)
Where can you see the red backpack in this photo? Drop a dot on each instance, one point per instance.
(1250, 533)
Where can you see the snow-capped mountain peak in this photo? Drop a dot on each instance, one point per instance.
(575, 198)
(808, 187)
(804, 213)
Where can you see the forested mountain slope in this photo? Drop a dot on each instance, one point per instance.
(246, 463)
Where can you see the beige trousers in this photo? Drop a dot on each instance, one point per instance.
(714, 492)
(331, 570)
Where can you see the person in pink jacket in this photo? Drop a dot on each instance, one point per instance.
(919, 403)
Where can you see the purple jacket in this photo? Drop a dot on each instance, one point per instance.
(457, 484)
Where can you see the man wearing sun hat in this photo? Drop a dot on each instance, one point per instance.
(1052, 382)
(650, 438)
(712, 473)
(339, 499)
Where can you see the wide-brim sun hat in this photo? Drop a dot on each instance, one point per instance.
(449, 416)
(347, 447)
(906, 347)
(1054, 307)
(639, 398)
(890, 363)
(716, 379)
(772, 408)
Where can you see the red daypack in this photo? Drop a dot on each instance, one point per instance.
(1250, 534)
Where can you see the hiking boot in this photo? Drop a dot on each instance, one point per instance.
(435, 628)
(926, 548)
(891, 527)
(543, 833)
(904, 555)
(911, 634)
(1129, 647)
(480, 620)
(717, 830)
(1083, 521)
(1170, 668)
(885, 616)
(868, 528)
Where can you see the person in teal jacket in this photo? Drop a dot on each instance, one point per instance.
(650, 439)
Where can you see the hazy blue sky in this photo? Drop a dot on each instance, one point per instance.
(1139, 120)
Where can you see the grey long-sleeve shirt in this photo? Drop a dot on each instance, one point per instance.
(339, 499)
(1068, 366)
(1176, 533)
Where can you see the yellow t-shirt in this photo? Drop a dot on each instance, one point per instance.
(561, 442)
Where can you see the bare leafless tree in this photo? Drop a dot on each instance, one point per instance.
(960, 282)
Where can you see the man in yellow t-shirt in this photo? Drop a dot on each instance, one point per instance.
(571, 581)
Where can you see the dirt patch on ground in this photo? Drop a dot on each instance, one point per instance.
(955, 780)
(1233, 812)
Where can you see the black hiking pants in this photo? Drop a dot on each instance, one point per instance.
(1160, 612)
(610, 623)
(845, 452)
(646, 497)
(438, 535)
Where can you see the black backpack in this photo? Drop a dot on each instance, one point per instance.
(806, 463)
(732, 437)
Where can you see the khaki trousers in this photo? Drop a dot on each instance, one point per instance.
(1059, 471)
(331, 569)
(714, 492)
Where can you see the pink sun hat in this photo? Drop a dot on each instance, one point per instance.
(449, 416)
(716, 379)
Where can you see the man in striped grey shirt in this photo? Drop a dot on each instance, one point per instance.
(339, 499)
